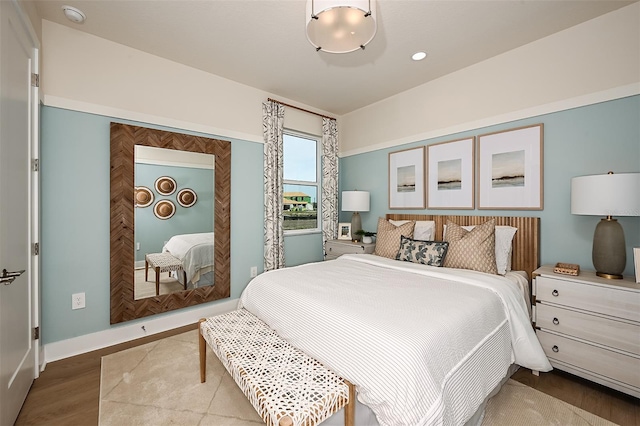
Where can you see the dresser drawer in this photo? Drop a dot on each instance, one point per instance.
(608, 332)
(606, 363)
(606, 300)
(336, 248)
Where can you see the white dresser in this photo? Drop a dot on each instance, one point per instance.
(590, 326)
(336, 248)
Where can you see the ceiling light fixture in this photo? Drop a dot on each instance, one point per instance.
(73, 14)
(418, 56)
(341, 26)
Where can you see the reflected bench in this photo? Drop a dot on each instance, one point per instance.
(163, 262)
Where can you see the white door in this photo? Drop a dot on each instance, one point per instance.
(18, 349)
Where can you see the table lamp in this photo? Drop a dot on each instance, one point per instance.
(355, 201)
(607, 195)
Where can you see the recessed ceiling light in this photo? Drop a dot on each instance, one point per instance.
(73, 14)
(418, 56)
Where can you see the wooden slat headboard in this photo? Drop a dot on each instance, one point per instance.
(526, 242)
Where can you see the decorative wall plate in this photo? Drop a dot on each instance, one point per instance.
(143, 196)
(186, 197)
(165, 185)
(164, 209)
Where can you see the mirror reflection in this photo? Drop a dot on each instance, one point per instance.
(174, 221)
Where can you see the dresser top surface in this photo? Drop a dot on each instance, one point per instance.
(589, 277)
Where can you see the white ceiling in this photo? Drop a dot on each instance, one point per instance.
(263, 44)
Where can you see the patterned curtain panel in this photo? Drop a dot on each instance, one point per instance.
(329, 180)
(272, 123)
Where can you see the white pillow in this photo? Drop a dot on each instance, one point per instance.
(504, 246)
(424, 230)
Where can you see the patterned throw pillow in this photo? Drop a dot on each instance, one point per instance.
(388, 237)
(475, 249)
(425, 252)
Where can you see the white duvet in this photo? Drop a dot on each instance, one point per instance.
(423, 345)
(194, 250)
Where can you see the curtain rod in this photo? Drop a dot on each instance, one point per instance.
(301, 109)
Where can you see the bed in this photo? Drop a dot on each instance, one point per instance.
(423, 344)
(195, 251)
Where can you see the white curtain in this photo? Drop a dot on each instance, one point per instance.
(329, 180)
(272, 124)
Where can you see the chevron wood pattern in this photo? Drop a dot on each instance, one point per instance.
(124, 138)
(526, 242)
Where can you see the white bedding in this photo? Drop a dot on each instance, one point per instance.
(195, 251)
(423, 345)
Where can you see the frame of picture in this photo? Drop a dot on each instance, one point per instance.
(510, 175)
(636, 262)
(407, 179)
(451, 174)
(344, 231)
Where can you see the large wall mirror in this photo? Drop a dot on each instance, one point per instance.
(170, 204)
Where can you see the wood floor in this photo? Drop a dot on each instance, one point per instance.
(68, 391)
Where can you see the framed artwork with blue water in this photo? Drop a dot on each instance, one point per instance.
(510, 175)
(450, 174)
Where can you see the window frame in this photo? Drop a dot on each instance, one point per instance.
(317, 183)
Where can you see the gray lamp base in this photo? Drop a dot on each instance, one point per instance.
(356, 225)
(609, 253)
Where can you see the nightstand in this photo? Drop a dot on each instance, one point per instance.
(590, 326)
(336, 248)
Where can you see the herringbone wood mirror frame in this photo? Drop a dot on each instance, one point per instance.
(124, 137)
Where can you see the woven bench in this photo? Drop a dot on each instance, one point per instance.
(284, 385)
(162, 262)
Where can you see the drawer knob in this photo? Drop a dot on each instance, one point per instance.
(555, 321)
(555, 293)
(555, 348)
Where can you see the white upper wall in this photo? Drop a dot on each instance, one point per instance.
(86, 73)
(592, 62)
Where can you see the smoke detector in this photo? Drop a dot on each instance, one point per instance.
(73, 14)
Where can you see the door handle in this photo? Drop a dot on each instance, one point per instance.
(7, 278)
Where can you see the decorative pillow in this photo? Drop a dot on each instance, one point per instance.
(388, 237)
(425, 252)
(504, 246)
(475, 249)
(424, 230)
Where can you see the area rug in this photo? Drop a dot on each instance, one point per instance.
(159, 384)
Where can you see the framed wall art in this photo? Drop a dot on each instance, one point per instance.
(450, 174)
(510, 173)
(406, 179)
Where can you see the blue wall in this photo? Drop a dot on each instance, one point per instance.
(75, 219)
(152, 232)
(582, 141)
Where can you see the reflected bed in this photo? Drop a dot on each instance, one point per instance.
(195, 251)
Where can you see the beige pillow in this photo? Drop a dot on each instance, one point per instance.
(388, 237)
(475, 249)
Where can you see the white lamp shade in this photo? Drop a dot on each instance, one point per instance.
(606, 195)
(355, 201)
(342, 26)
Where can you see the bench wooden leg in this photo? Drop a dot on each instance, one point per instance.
(157, 280)
(203, 353)
(350, 408)
(184, 273)
(146, 271)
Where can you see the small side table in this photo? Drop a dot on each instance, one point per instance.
(336, 248)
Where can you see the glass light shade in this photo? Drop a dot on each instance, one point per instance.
(342, 26)
(606, 195)
(355, 201)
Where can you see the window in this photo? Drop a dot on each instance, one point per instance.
(301, 182)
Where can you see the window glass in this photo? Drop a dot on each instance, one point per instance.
(300, 158)
(301, 187)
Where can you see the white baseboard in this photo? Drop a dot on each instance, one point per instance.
(147, 326)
